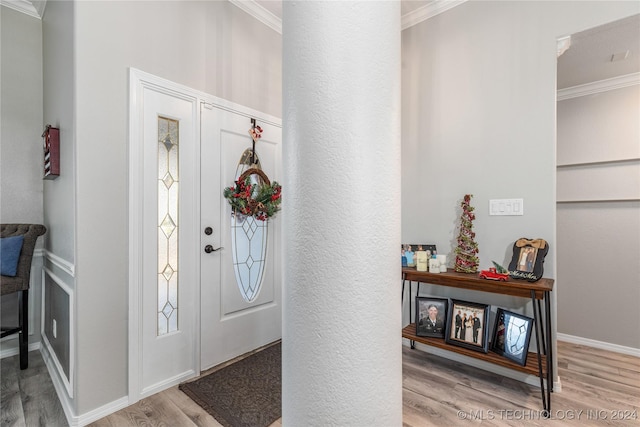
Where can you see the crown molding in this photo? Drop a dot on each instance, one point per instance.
(23, 6)
(410, 19)
(599, 86)
(430, 10)
(40, 5)
(260, 13)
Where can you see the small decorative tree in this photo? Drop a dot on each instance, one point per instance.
(466, 252)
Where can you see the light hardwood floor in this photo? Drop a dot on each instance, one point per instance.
(27, 397)
(598, 388)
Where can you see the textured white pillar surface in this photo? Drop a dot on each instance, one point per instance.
(342, 360)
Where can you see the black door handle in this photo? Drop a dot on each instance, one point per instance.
(208, 249)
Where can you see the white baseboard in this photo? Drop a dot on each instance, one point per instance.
(599, 344)
(169, 382)
(60, 388)
(65, 401)
(15, 350)
(102, 411)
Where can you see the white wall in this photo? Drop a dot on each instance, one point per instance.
(478, 116)
(598, 216)
(209, 46)
(59, 194)
(21, 100)
(21, 155)
(599, 127)
(599, 269)
(59, 93)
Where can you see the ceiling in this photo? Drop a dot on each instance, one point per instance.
(587, 59)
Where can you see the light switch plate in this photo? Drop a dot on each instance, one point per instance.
(506, 207)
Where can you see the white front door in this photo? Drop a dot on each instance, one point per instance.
(165, 224)
(231, 326)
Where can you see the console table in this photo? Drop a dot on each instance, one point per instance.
(539, 363)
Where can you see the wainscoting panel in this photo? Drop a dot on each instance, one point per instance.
(58, 326)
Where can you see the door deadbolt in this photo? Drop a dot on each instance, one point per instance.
(208, 231)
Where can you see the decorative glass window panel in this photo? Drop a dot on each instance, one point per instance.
(168, 231)
(516, 336)
(249, 241)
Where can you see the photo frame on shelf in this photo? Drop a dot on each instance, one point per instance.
(408, 252)
(431, 316)
(528, 259)
(511, 335)
(467, 325)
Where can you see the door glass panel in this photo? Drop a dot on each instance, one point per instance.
(248, 241)
(168, 178)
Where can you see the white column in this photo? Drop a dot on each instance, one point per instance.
(342, 360)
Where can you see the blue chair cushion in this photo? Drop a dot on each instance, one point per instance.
(10, 248)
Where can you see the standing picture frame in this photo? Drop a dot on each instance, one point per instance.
(467, 325)
(431, 316)
(511, 336)
(528, 259)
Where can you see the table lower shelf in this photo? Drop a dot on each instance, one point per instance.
(531, 367)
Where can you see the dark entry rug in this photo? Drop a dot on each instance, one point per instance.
(247, 393)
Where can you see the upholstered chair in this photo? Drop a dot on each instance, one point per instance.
(16, 264)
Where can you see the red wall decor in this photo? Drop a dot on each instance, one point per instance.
(51, 137)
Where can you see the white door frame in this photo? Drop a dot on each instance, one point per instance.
(138, 82)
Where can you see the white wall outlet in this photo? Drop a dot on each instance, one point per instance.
(506, 207)
(54, 327)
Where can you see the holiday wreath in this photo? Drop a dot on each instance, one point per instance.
(261, 201)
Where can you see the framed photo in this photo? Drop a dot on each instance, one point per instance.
(467, 325)
(528, 258)
(431, 316)
(408, 252)
(511, 336)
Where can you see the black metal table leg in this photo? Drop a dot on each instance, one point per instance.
(547, 308)
(413, 343)
(538, 328)
(543, 330)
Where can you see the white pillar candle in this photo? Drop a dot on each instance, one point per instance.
(434, 266)
(421, 261)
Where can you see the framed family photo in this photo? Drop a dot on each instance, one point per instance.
(511, 336)
(408, 252)
(431, 316)
(467, 325)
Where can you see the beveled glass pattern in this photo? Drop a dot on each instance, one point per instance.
(249, 243)
(516, 336)
(168, 230)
